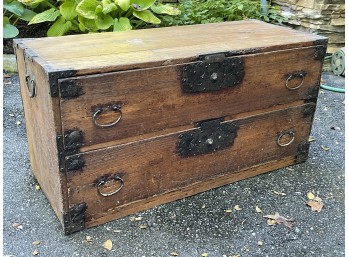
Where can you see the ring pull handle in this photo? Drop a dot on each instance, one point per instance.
(105, 181)
(289, 133)
(31, 86)
(116, 108)
(300, 75)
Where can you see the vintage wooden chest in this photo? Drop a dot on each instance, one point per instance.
(121, 122)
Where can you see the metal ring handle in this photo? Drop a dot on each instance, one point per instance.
(102, 182)
(301, 75)
(290, 133)
(30, 84)
(116, 108)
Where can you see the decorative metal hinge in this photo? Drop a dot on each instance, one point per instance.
(69, 88)
(210, 136)
(74, 162)
(53, 80)
(74, 220)
(212, 72)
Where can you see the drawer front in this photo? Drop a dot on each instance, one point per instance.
(120, 105)
(119, 175)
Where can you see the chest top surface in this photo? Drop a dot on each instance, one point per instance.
(112, 51)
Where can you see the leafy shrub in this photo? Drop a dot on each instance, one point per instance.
(210, 11)
(89, 16)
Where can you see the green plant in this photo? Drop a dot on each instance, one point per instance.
(13, 11)
(89, 16)
(209, 11)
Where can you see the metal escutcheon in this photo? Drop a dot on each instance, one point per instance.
(289, 133)
(291, 76)
(106, 180)
(31, 86)
(115, 108)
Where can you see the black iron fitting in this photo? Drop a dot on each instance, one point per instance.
(69, 89)
(74, 220)
(209, 137)
(53, 77)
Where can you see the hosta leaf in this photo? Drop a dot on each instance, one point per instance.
(104, 22)
(28, 15)
(108, 6)
(14, 7)
(48, 15)
(147, 16)
(123, 4)
(140, 5)
(88, 24)
(32, 3)
(67, 9)
(99, 9)
(165, 9)
(122, 24)
(9, 31)
(86, 8)
(59, 28)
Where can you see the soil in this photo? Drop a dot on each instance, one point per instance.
(25, 31)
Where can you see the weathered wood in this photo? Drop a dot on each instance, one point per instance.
(105, 52)
(152, 99)
(164, 143)
(42, 122)
(154, 167)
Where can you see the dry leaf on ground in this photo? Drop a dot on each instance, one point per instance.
(278, 193)
(205, 254)
(257, 209)
(315, 202)
(311, 139)
(108, 245)
(37, 187)
(280, 220)
(35, 252)
(325, 148)
(142, 226)
(174, 254)
(89, 239)
(36, 242)
(228, 211)
(237, 208)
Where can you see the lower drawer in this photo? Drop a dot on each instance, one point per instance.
(123, 179)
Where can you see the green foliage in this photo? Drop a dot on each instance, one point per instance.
(210, 11)
(86, 16)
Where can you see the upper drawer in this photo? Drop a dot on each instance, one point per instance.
(112, 106)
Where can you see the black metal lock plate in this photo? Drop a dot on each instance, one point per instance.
(213, 73)
(210, 136)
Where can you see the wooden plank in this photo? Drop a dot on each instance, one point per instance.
(153, 167)
(195, 188)
(152, 99)
(42, 122)
(92, 53)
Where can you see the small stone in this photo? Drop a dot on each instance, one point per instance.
(260, 243)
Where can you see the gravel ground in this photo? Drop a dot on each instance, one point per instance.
(197, 225)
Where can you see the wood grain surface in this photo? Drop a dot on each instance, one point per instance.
(152, 167)
(152, 99)
(98, 53)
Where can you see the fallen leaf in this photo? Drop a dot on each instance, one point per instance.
(15, 225)
(325, 148)
(311, 139)
(35, 252)
(235, 255)
(108, 245)
(117, 230)
(174, 254)
(143, 226)
(132, 218)
(6, 75)
(36, 243)
(271, 222)
(280, 220)
(310, 196)
(8, 83)
(18, 123)
(138, 218)
(205, 254)
(335, 128)
(279, 193)
(37, 187)
(259, 243)
(11, 114)
(237, 208)
(203, 206)
(228, 211)
(315, 206)
(89, 239)
(257, 209)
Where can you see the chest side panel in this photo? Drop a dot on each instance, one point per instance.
(138, 102)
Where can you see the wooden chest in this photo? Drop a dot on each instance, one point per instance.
(121, 122)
